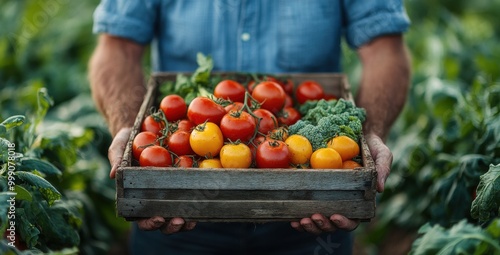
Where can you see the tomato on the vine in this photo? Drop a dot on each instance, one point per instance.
(206, 140)
(178, 143)
(141, 141)
(309, 90)
(204, 109)
(184, 161)
(267, 122)
(289, 116)
(326, 158)
(174, 107)
(235, 156)
(230, 90)
(238, 125)
(155, 156)
(185, 125)
(272, 154)
(288, 101)
(271, 95)
(150, 124)
(236, 106)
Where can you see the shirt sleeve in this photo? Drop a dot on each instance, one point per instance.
(131, 19)
(366, 20)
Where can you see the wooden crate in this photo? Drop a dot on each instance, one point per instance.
(244, 195)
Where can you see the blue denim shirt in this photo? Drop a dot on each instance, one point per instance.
(250, 35)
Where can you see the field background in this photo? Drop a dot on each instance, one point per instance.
(446, 138)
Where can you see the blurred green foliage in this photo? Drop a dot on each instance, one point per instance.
(445, 139)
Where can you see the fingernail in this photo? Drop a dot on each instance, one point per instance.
(319, 223)
(307, 226)
(337, 222)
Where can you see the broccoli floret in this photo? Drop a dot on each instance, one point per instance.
(329, 119)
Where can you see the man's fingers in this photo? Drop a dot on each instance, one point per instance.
(152, 223)
(309, 226)
(296, 225)
(323, 223)
(382, 157)
(116, 149)
(173, 226)
(344, 223)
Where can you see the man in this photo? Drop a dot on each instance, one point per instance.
(271, 36)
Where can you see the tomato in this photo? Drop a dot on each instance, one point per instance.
(288, 87)
(210, 163)
(267, 122)
(154, 126)
(230, 90)
(185, 125)
(309, 90)
(280, 133)
(300, 149)
(235, 156)
(289, 116)
(255, 144)
(155, 156)
(345, 146)
(330, 97)
(178, 143)
(206, 139)
(204, 109)
(184, 161)
(272, 154)
(271, 95)
(251, 84)
(326, 158)
(174, 107)
(236, 106)
(141, 141)
(288, 101)
(350, 164)
(238, 125)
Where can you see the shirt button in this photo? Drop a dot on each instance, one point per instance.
(245, 37)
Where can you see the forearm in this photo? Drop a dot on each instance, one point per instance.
(384, 83)
(116, 80)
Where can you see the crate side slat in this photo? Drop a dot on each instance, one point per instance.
(194, 194)
(247, 179)
(206, 209)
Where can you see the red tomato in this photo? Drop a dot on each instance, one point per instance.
(289, 116)
(238, 125)
(150, 124)
(288, 87)
(174, 107)
(236, 106)
(251, 84)
(185, 125)
(267, 122)
(272, 154)
(309, 90)
(271, 95)
(230, 90)
(155, 156)
(288, 101)
(141, 141)
(203, 109)
(178, 143)
(185, 161)
(255, 144)
(330, 97)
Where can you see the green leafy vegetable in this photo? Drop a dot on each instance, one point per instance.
(487, 202)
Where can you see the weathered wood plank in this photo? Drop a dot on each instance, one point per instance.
(358, 209)
(247, 179)
(183, 194)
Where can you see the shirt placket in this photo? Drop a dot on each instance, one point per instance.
(247, 35)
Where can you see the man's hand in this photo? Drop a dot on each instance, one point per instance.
(115, 154)
(382, 157)
(318, 224)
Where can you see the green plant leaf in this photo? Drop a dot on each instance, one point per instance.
(4, 149)
(28, 231)
(22, 193)
(49, 193)
(487, 202)
(461, 238)
(13, 121)
(31, 164)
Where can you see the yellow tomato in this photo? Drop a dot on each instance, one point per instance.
(345, 146)
(235, 156)
(300, 149)
(326, 158)
(206, 139)
(210, 163)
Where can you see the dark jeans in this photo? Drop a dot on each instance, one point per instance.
(240, 239)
